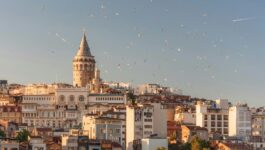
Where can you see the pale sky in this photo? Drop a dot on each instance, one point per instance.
(208, 48)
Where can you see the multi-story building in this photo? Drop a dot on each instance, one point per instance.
(240, 124)
(41, 111)
(139, 123)
(98, 108)
(152, 88)
(69, 142)
(258, 125)
(214, 117)
(147, 89)
(54, 110)
(37, 143)
(5, 100)
(185, 115)
(107, 128)
(72, 102)
(66, 107)
(150, 143)
(11, 113)
(9, 144)
(160, 119)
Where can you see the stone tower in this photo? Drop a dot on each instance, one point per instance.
(83, 65)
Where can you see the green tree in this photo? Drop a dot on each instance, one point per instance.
(2, 133)
(195, 143)
(198, 144)
(204, 144)
(132, 98)
(23, 135)
(186, 146)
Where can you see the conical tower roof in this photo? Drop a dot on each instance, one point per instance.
(84, 49)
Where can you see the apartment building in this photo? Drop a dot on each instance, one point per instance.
(240, 124)
(213, 116)
(107, 128)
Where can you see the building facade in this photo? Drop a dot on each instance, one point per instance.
(214, 117)
(139, 123)
(106, 128)
(11, 113)
(241, 124)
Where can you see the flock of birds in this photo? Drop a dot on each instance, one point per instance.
(125, 63)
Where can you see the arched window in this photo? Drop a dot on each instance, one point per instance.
(85, 68)
(81, 98)
(61, 98)
(71, 98)
(81, 67)
(91, 67)
(76, 67)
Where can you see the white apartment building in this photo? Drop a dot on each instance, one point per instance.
(213, 117)
(139, 123)
(160, 119)
(153, 143)
(240, 124)
(118, 85)
(147, 89)
(99, 127)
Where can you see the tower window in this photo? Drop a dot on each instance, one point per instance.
(86, 68)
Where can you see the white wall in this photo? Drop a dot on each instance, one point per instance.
(153, 144)
(129, 128)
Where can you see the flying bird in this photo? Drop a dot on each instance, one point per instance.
(243, 19)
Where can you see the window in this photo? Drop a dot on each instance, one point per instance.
(219, 117)
(219, 124)
(61, 98)
(225, 130)
(148, 120)
(205, 117)
(225, 124)
(117, 130)
(81, 98)
(213, 123)
(147, 126)
(225, 117)
(102, 130)
(205, 124)
(71, 98)
(212, 117)
(110, 131)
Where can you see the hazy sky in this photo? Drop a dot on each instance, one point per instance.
(207, 48)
